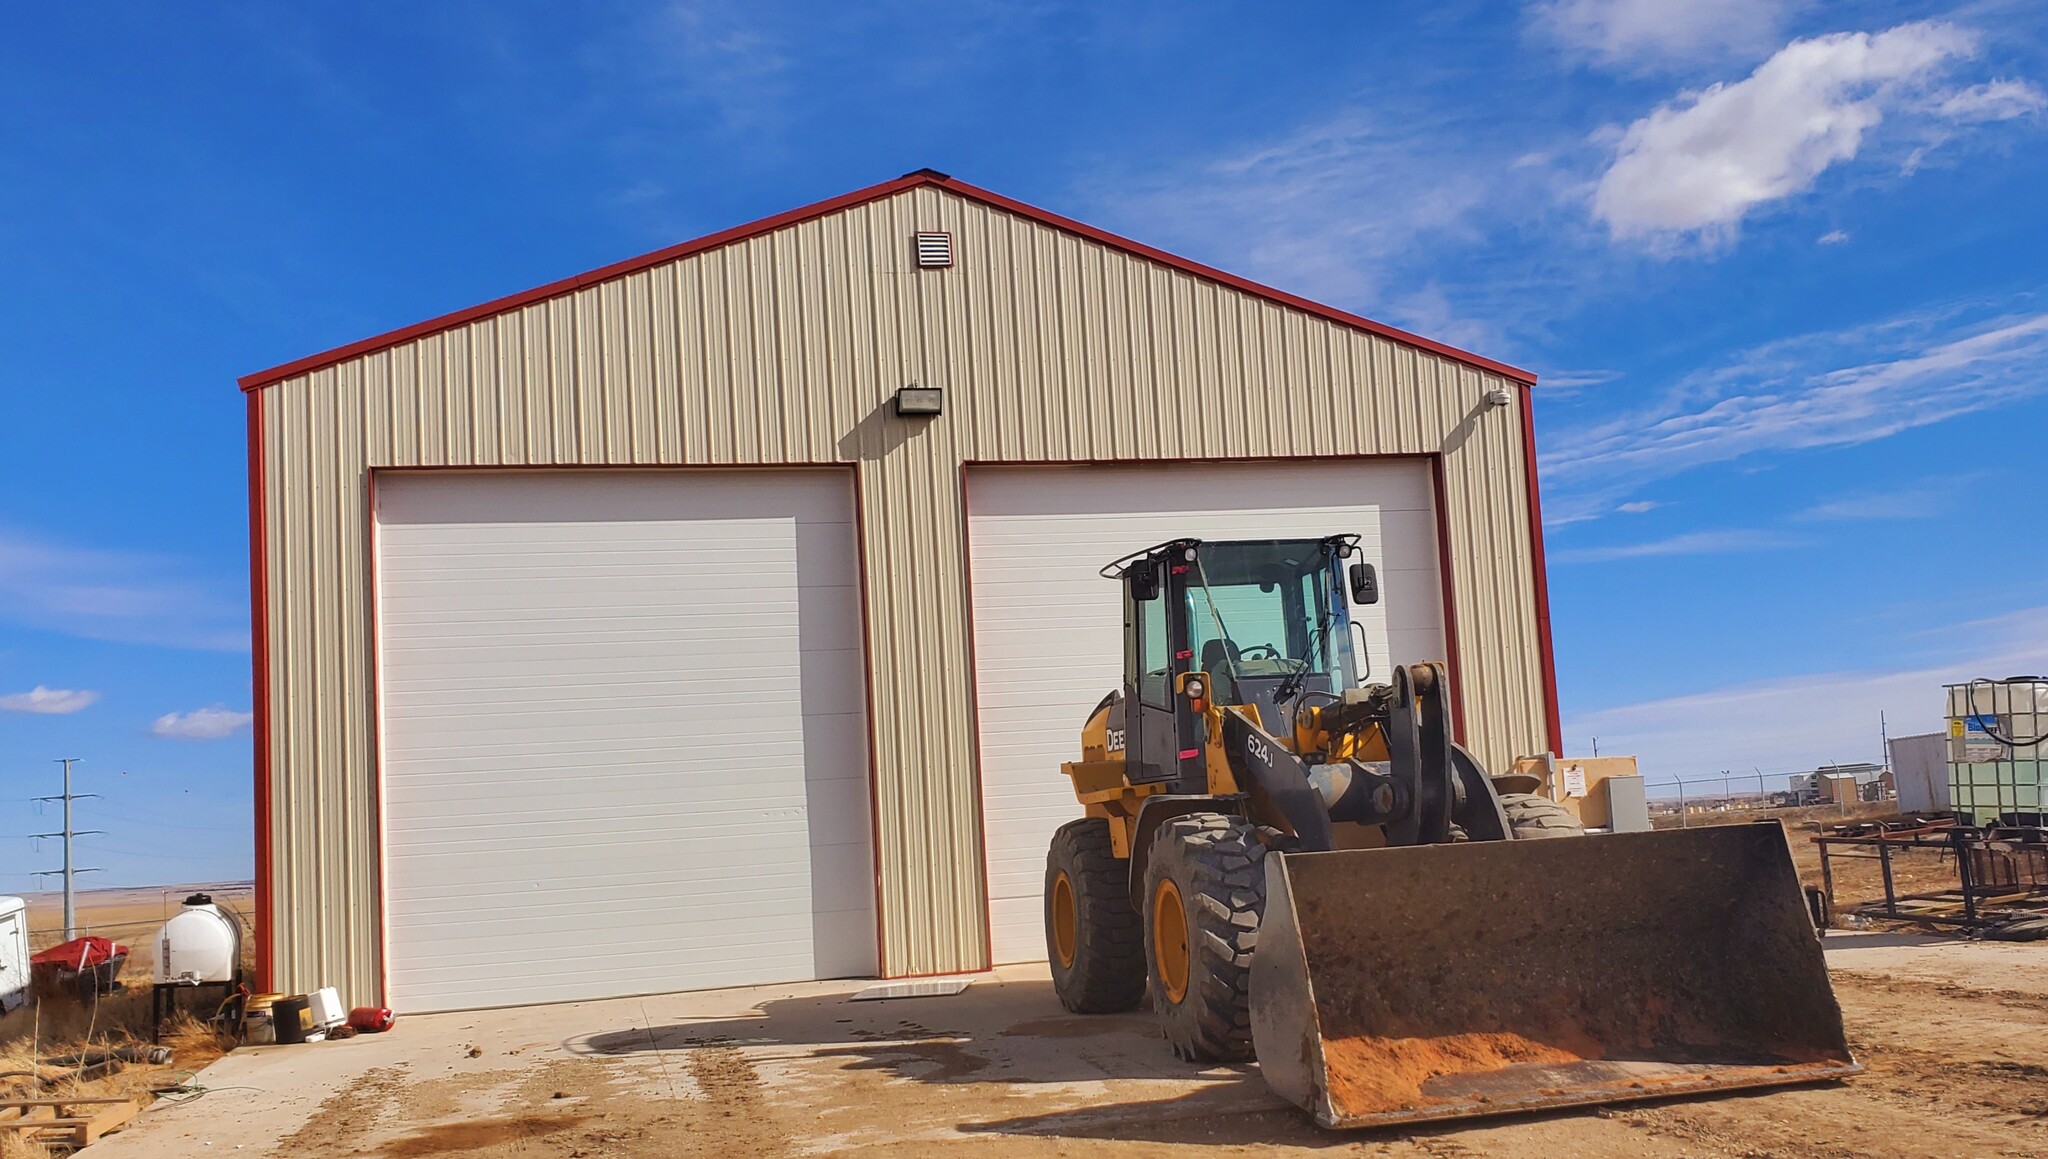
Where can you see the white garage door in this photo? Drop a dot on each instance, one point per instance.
(625, 745)
(1048, 631)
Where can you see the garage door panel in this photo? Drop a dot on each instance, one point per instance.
(845, 877)
(576, 856)
(597, 881)
(619, 757)
(588, 898)
(624, 733)
(617, 498)
(1048, 631)
(484, 830)
(832, 931)
(833, 684)
(838, 797)
(564, 730)
(842, 739)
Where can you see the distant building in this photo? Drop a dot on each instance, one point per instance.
(1861, 780)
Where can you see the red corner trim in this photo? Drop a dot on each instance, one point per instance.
(1541, 573)
(740, 233)
(259, 639)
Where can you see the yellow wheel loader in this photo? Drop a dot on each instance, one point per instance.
(1295, 859)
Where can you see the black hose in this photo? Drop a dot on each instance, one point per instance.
(1992, 731)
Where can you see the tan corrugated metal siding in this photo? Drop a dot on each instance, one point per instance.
(787, 348)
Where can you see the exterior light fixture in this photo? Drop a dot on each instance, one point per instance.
(1499, 396)
(918, 401)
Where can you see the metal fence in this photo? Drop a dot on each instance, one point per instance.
(1730, 791)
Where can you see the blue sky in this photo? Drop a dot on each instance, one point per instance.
(1780, 265)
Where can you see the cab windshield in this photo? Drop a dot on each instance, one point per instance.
(1266, 610)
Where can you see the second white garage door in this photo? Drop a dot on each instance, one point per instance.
(624, 734)
(1048, 631)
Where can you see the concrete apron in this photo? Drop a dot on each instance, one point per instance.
(1002, 1057)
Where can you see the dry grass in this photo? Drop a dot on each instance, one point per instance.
(61, 1024)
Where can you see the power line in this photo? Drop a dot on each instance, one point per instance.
(69, 872)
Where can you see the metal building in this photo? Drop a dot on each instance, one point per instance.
(634, 633)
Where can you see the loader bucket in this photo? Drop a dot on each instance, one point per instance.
(1487, 978)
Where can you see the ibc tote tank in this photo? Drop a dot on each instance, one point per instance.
(199, 944)
(1998, 750)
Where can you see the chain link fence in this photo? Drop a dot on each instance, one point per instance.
(1680, 800)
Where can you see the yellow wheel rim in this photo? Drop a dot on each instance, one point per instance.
(1170, 940)
(1066, 926)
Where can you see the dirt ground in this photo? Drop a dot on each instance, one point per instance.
(1950, 1033)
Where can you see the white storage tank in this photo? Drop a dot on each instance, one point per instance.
(199, 944)
(13, 953)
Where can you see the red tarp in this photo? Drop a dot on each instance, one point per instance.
(80, 954)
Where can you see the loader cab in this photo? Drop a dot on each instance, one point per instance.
(1266, 623)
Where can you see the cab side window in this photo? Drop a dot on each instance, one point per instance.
(1153, 656)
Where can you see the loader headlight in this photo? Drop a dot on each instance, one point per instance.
(1194, 688)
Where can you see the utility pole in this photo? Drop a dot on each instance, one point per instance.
(69, 871)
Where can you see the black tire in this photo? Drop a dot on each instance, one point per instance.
(1531, 816)
(1215, 864)
(1106, 970)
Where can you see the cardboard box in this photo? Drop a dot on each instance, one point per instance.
(1578, 783)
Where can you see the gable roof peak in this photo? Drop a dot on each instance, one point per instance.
(910, 180)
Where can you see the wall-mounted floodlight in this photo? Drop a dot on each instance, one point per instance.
(1499, 396)
(920, 401)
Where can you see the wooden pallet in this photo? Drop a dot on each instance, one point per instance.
(67, 1122)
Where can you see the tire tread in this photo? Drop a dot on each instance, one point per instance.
(1108, 974)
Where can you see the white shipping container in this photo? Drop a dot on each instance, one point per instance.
(13, 953)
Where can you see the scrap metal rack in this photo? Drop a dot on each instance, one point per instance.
(2001, 870)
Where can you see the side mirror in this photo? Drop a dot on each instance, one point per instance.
(1144, 580)
(1365, 584)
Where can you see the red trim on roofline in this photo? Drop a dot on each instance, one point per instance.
(740, 233)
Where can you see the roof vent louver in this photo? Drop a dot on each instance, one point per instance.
(934, 250)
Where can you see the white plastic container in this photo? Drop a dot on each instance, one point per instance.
(199, 944)
(325, 1007)
(13, 953)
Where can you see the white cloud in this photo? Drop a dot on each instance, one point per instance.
(1638, 507)
(211, 723)
(130, 597)
(1358, 209)
(1675, 31)
(1690, 543)
(1833, 237)
(1924, 502)
(2000, 100)
(1803, 393)
(1554, 383)
(1698, 165)
(48, 701)
(1791, 723)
